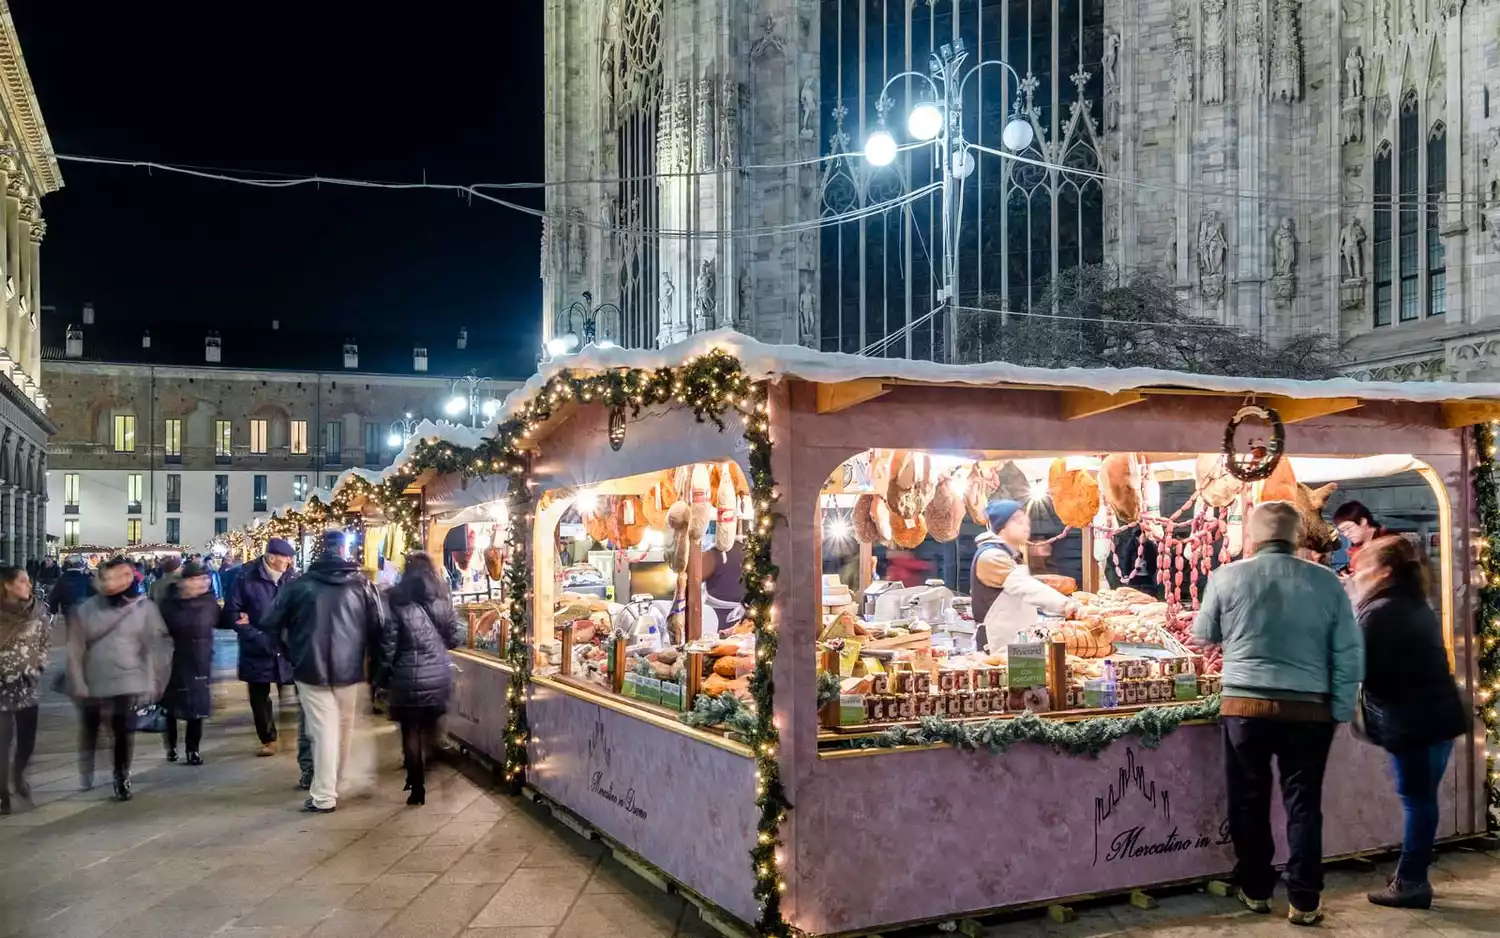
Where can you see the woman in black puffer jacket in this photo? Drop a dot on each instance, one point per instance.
(414, 670)
(1412, 705)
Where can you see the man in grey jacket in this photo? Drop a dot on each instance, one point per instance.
(1293, 658)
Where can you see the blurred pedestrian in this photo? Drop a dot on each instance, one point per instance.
(262, 660)
(191, 613)
(329, 620)
(24, 644)
(414, 668)
(1292, 663)
(73, 586)
(119, 656)
(161, 582)
(49, 573)
(1411, 704)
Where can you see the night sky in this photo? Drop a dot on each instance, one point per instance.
(357, 89)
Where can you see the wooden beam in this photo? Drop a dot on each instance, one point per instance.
(842, 395)
(1295, 410)
(1079, 404)
(1457, 414)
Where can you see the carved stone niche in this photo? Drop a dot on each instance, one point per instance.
(1284, 289)
(1354, 120)
(1352, 293)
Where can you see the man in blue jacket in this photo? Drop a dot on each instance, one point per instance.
(247, 599)
(1293, 659)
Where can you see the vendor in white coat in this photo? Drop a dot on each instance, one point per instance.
(1006, 596)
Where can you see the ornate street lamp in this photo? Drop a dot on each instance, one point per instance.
(401, 431)
(939, 120)
(472, 398)
(581, 324)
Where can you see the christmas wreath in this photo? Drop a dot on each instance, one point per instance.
(1264, 454)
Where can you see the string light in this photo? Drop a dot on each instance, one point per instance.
(1487, 618)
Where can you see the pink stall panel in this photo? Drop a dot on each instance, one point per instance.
(684, 805)
(937, 833)
(478, 711)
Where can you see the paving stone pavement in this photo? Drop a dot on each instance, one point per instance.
(223, 851)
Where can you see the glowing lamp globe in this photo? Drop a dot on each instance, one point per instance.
(925, 121)
(880, 148)
(1017, 135)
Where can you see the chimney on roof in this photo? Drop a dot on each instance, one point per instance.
(88, 314)
(463, 338)
(419, 358)
(213, 349)
(146, 339)
(351, 354)
(73, 344)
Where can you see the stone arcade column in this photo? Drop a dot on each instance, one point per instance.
(14, 191)
(8, 519)
(39, 544)
(8, 169)
(34, 343)
(22, 322)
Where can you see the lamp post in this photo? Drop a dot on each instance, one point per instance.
(401, 431)
(939, 120)
(470, 398)
(579, 324)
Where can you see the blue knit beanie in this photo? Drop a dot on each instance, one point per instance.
(1000, 511)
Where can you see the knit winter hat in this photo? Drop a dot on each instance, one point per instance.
(1000, 511)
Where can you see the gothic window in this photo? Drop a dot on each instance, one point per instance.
(1410, 252)
(631, 77)
(1018, 224)
(1381, 240)
(1437, 187)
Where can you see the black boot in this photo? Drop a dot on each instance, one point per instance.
(171, 755)
(418, 795)
(22, 786)
(1399, 894)
(194, 758)
(122, 788)
(4, 803)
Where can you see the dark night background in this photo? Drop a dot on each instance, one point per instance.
(366, 90)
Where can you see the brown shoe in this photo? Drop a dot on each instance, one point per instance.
(269, 749)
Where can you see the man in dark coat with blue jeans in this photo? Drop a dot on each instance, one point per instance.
(262, 662)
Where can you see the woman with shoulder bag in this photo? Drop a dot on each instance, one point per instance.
(24, 644)
(191, 613)
(1410, 704)
(119, 656)
(414, 668)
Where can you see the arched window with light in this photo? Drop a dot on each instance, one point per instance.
(1381, 239)
(1437, 188)
(1409, 249)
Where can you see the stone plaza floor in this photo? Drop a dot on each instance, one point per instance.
(223, 851)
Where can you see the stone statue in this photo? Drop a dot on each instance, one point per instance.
(668, 303)
(578, 245)
(729, 123)
(1493, 164)
(742, 314)
(1111, 81)
(1213, 51)
(1284, 246)
(704, 302)
(809, 102)
(1352, 248)
(703, 143)
(807, 317)
(1212, 245)
(1286, 53)
(1182, 67)
(1354, 71)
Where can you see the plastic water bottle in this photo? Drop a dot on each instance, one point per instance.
(1111, 686)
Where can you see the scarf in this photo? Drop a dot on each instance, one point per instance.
(15, 619)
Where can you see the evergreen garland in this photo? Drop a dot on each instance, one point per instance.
(725, 710)
(1083, 738)
(1487, 621)
(828, 688)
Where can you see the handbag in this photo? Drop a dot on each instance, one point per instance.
(150, 718)
(1359, 726)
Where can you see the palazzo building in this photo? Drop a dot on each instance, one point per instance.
(179, 438)
(1291, 166)
(28, 171)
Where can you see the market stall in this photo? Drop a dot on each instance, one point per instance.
(1067, 754)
